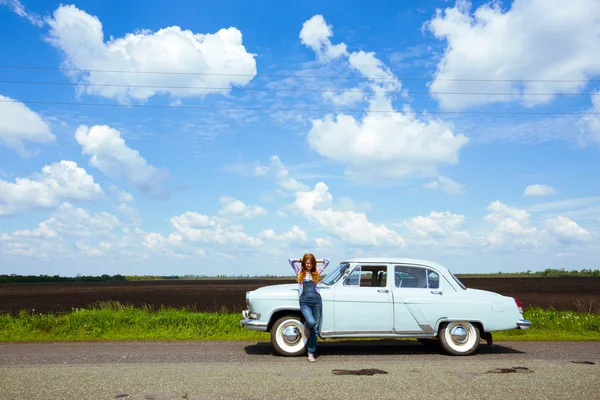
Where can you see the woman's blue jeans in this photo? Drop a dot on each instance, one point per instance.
(311, 307)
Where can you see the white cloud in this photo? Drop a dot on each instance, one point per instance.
(50, 240)
(373, 68)
(81, 38)
(589, 125)
(19, 124)
(499, 211)
(57, 182)
(156, 241)
(548, 40)
(200, 228)
(512, 228)
(538, 190)
(296, 235)
(385, 143)
(566, 231)
(315, 34)
(439, 229)
(76, 222)
(18, 8)
(323, 243)
(122, 195)
(347, 98)
(447, 185)
(111, 155)
(281, 174)
(233, 208)
(351, 227)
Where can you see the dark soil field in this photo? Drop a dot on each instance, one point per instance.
(561, 293)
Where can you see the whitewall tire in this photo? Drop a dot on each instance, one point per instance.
(459, 338)
(287, 336)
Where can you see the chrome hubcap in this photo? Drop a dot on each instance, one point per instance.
(291, 334)
(459, 334)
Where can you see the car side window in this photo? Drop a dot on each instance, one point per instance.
(433, 279)
(367, 276)
(410, 277)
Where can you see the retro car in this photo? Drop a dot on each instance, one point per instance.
(386, 298)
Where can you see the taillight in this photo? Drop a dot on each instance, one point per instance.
(519, 305)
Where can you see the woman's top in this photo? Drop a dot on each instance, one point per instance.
(297, 266)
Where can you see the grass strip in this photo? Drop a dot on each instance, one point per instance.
(114, 321)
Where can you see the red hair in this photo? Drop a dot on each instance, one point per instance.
(313, 271)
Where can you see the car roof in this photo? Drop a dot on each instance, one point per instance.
(395, 260)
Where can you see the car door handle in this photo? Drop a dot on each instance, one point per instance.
(383, 291)
(436, 292)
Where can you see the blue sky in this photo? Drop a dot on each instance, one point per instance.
(223, 138)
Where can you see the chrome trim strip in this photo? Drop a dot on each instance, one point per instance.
(523, 324)
(357, 332)
(254, 325)
(426, 328)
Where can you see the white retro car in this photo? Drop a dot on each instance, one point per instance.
(422, 300)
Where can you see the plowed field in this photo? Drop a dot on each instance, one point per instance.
(561, 293)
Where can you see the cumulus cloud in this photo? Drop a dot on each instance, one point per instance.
(439, 229)
(384, 143)
(278, 171)
(234, 208)
(75, 221)
(447, 185)
(57, 182)
(315, 34)
(566, 231)
(512, 228)
(545, 40)
(205, 229)
(111, 155)
(51, 238)
(349, 226)
(296, 235)
(19, 124)
(538, 190)
(217, 60)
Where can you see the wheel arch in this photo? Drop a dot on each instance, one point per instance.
(280, 313)
(445, 321)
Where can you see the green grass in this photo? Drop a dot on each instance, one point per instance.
(114, 321)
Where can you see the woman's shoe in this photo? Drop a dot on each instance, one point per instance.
(311, 358)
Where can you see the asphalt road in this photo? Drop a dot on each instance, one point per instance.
(250, 370)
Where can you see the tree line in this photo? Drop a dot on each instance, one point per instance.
(14, 278)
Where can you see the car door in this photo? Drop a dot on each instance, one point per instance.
(363, 302)
(417, 299)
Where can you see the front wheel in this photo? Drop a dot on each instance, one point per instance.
(459, 338)
(287, 336)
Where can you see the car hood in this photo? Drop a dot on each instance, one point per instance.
(283, 290)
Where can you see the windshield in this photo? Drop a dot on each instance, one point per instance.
(457, 281)
(333, 276)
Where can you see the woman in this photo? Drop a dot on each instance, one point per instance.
(311, 303)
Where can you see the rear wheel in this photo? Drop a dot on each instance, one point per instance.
(287, 336)
(459, 338)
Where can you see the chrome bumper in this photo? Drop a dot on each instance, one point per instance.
(523, 324)
(252, 323)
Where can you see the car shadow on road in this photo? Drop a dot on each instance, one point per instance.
(379, 347)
